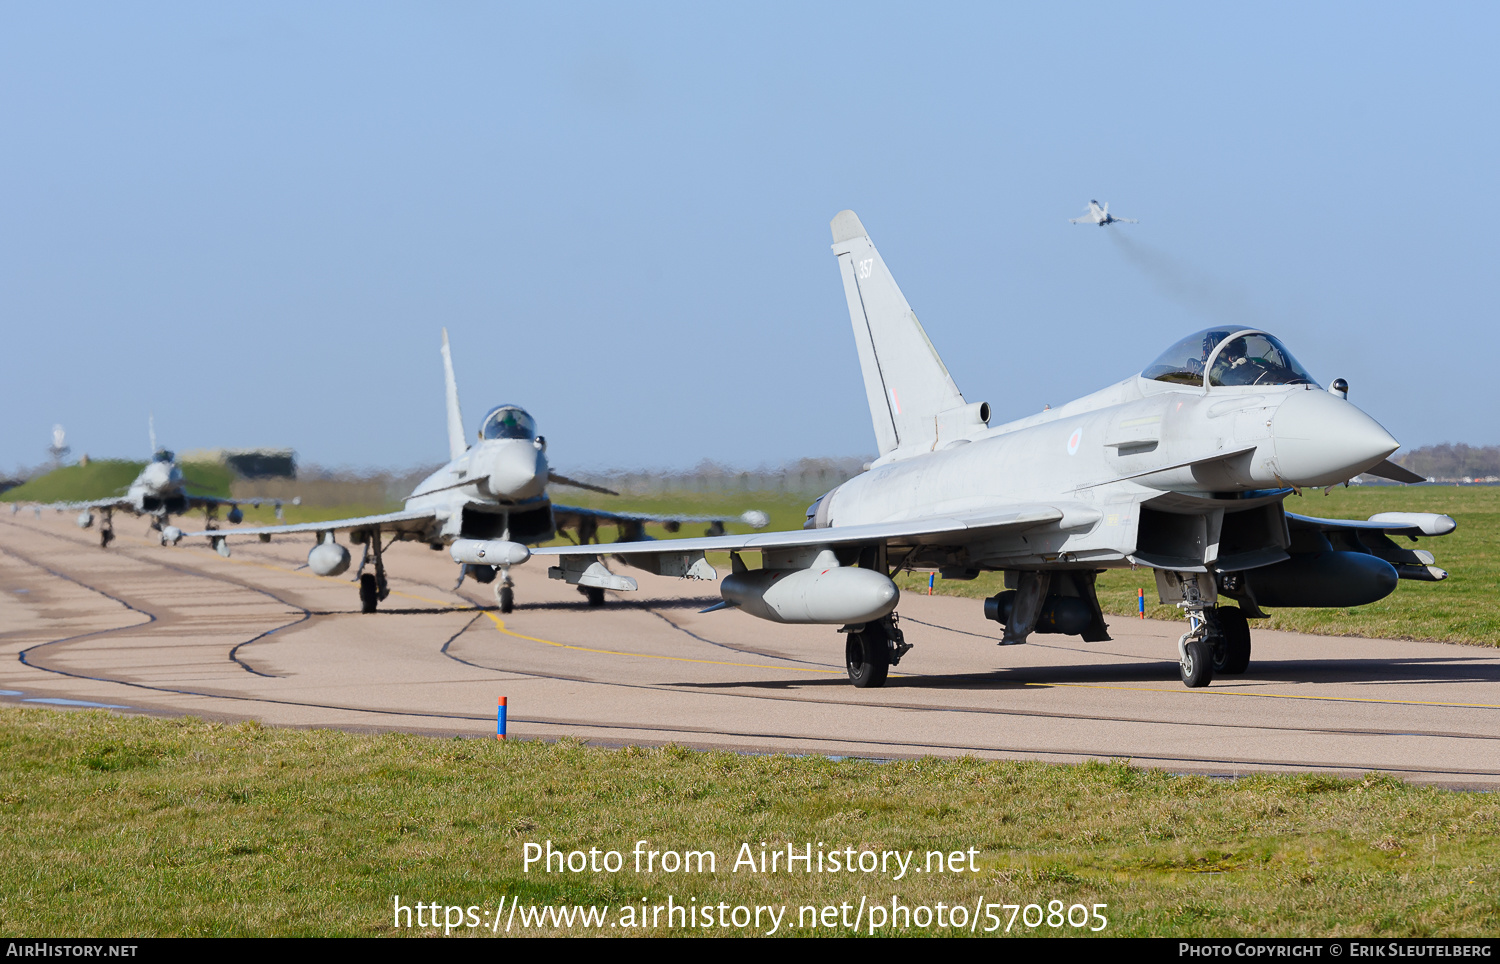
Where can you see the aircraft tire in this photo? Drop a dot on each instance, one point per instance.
(1198, 668)
(595, 595)
(506, 596)
(369, 593)
(867, 657)
(1232, 657)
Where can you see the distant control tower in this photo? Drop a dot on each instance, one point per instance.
(58, 448)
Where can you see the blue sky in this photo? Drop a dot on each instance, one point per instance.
(253, 219)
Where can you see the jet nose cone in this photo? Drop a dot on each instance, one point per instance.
(157, 475)
(1323, 440)
(518, 470)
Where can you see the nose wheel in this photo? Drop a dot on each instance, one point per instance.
(1197, 663)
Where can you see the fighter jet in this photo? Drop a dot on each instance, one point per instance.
(158, 492)
(486, 506)
(1182, 468)
(1099, 214)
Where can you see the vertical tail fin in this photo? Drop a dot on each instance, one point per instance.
(456, 444)
(914, 403)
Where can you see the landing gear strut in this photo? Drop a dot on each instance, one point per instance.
(372, 586)
(106, 529)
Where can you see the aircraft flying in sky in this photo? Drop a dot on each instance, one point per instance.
(1099, 214)
(158, 492)
(487, 505)
(1182, 468)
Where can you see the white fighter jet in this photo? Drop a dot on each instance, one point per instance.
(1182, 468)
(486, 506)
(1099, 214)
(159, 493)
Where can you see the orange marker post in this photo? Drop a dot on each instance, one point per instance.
(1140, 601)
(500, 720)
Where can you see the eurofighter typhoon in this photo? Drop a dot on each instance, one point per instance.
(487, 505)
(158, 493)
(1182, 468)
(1099, 214)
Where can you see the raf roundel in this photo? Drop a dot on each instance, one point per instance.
(1074, 439)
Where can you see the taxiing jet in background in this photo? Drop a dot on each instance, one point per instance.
(486, 506)
(159, 493)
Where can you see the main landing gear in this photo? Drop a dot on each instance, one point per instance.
(372, 586)
(505, 591)
(872, 649)
(505, 588)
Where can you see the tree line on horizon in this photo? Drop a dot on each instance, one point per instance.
(1449, 461)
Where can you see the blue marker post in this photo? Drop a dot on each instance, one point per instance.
(930, 577)
(500, 720)
(1140, 600)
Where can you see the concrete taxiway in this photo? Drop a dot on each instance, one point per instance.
(142, 628)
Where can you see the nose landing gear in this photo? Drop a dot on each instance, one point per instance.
(1217, 640)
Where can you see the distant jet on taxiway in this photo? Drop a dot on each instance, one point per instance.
(487, 505)
(1099, 214)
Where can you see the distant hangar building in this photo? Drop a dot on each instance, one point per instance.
(250, 463)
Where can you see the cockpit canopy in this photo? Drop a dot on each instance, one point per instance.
(162, 455)
(1228, 356)
(507, 421)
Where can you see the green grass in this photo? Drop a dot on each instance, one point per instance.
(207, 478)
(142, 826)
(78, 483)
(107, 478)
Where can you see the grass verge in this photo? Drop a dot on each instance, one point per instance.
(108, 478)
(141, 826)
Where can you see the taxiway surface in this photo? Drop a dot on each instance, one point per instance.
(142, 628)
